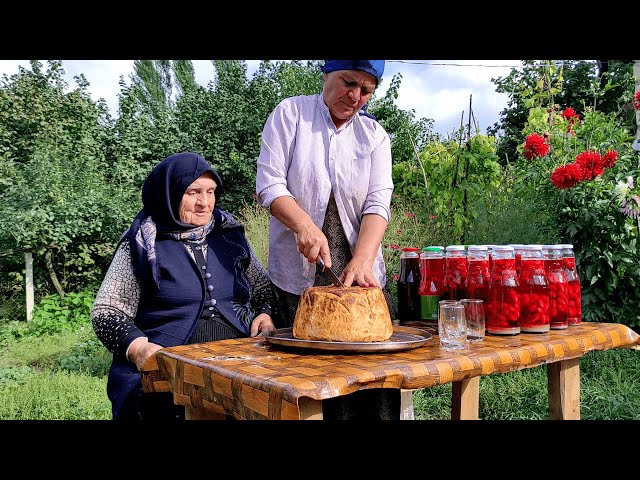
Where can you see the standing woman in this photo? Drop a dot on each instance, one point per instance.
(324, 174)
(183, 272)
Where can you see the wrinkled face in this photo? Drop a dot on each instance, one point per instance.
(345, 92)
(196, 206)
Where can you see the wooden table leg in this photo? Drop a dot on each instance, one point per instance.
(465, 399)
(310, 409)
(563, 383)
(406, 405)
(191, 413)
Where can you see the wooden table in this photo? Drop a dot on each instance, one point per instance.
(251, 379)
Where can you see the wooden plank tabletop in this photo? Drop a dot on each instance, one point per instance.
(251, 379)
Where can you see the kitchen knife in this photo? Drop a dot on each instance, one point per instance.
(329, 273)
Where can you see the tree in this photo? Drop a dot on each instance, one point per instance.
(566, 83)
(52, 159)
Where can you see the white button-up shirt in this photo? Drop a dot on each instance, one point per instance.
(303, 155)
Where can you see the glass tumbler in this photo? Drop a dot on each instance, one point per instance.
(452, 325)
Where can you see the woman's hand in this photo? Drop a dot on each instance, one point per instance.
(262, 325)
(359, 271)
(141, 349)
(312, 243)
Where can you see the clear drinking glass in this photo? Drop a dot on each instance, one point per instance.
(474, 313)
(452, 325)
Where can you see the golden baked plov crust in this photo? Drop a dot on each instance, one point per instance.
(343, 314)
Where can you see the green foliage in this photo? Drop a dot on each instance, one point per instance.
(407, 135)
(501, 216)
(449, 179)
(588, 215)
(13, 374)
(256, 222)
(51, 150)
(87, 355)
(53, 315)
(545, 83)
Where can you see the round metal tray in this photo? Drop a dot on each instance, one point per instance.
(402, 338)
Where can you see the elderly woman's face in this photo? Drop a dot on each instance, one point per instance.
(345, 92)
(196, 206)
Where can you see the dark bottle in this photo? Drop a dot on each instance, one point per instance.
(408, 285)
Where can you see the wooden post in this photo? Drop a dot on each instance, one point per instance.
(28, 260)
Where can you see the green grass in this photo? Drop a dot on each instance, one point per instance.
(54, 396)
(55, 377)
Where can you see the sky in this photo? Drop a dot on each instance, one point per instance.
(435, 89)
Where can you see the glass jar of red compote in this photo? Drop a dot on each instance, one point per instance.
(503, 306)
(517, 253)
(534, 291)
(574, 307)
(558, 287)
(478, 275)
(455, 272)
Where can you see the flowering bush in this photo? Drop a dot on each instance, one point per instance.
(581, 169)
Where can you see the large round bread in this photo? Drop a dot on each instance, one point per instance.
(343, 314)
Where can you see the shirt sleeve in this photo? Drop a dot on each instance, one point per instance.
(378, 199)
(276, 148)
(116, 304)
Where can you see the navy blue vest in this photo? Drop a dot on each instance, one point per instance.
(168, 314)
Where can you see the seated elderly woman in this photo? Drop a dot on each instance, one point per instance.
(183, 272)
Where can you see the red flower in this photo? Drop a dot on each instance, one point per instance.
(408, 214)
(394, 246)
(567, 176)
(591, 163)
(609, 158)
(535, 146)
(636, 100)
(396, 277)
(432, 217)
(570, 114)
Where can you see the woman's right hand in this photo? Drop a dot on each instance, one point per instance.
(141, 349)
(310, 239)
(312, 243)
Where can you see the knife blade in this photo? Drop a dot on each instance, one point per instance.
(329, 273)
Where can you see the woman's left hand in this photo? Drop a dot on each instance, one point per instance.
(262, 325)
(359, 271)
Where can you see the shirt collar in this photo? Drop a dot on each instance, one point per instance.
(327, 115)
